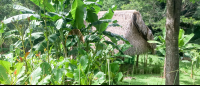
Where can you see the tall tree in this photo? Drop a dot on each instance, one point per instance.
(172, 32)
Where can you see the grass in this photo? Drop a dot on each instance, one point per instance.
(143, 79)
(156, 79)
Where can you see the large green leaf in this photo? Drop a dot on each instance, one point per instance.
(114, 67)
(103, 68)
(161, 39)
(76, 74)
(108, 15)
(70, 75)
(96, 23)
(114, 45)
(54, 16)
(35, 76)
(115, 37)
(4, 76)
(181, 34)
(44, 4)
(23, 9)
(91, 15)
(59, 23)
(77, 12)
(42, 44)
(187, 38)
(84, 62)
(45, 80)
(82, 52)
(21, 76)
(58, 73)
(151, 41)
(35, 36)
(181, 43)
(124, 47)
(18, 67)
(53, 37)
(6, 65)
(118, 77)
(21, 70)
(92, 38)
(99, 78)
(2, 27)
(19, 17)
(161, 48)
(92, 5)
(33, 24)
(46, 68)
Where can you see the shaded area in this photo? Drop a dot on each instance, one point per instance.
(155, 79)
(146, 79)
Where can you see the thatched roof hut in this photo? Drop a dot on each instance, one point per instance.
(133, 29)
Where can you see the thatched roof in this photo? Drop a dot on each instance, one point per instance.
(133, 29)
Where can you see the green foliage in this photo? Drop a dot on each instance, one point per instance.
(4, 76)
(99, 78)
(108, 15)
(44, 4)
(108, 3)
(190, 20)
(35, 76)
(151, 10)
(77, 12)
(183, 41)
(47, 36)
(55, 41)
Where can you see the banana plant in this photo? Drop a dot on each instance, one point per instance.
(55, 29)
(183, 41)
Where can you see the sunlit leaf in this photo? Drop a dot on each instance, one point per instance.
(70, 75)
(6, 65)
(19, 17)
(44, 4)
(21, 71)
(99, 78)
(46, 68)
(23, 9)
(150, 41)
(45, 80)
(58, 74)
(84, 62)
(118, 77)
(21, 76)
(108, 15)
(77, 12)
(18, 67)
(4, 75)
(59, 23)
(188, 38)
(35, 76)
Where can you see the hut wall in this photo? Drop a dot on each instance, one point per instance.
(134, 31)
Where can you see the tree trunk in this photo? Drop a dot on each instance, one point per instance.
(137, 61)
(172, 32)
(164, 68)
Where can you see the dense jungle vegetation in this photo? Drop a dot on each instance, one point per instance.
(45, 42)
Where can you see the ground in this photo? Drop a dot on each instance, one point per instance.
(156, 79)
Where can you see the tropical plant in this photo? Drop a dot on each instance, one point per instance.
(54, 35)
